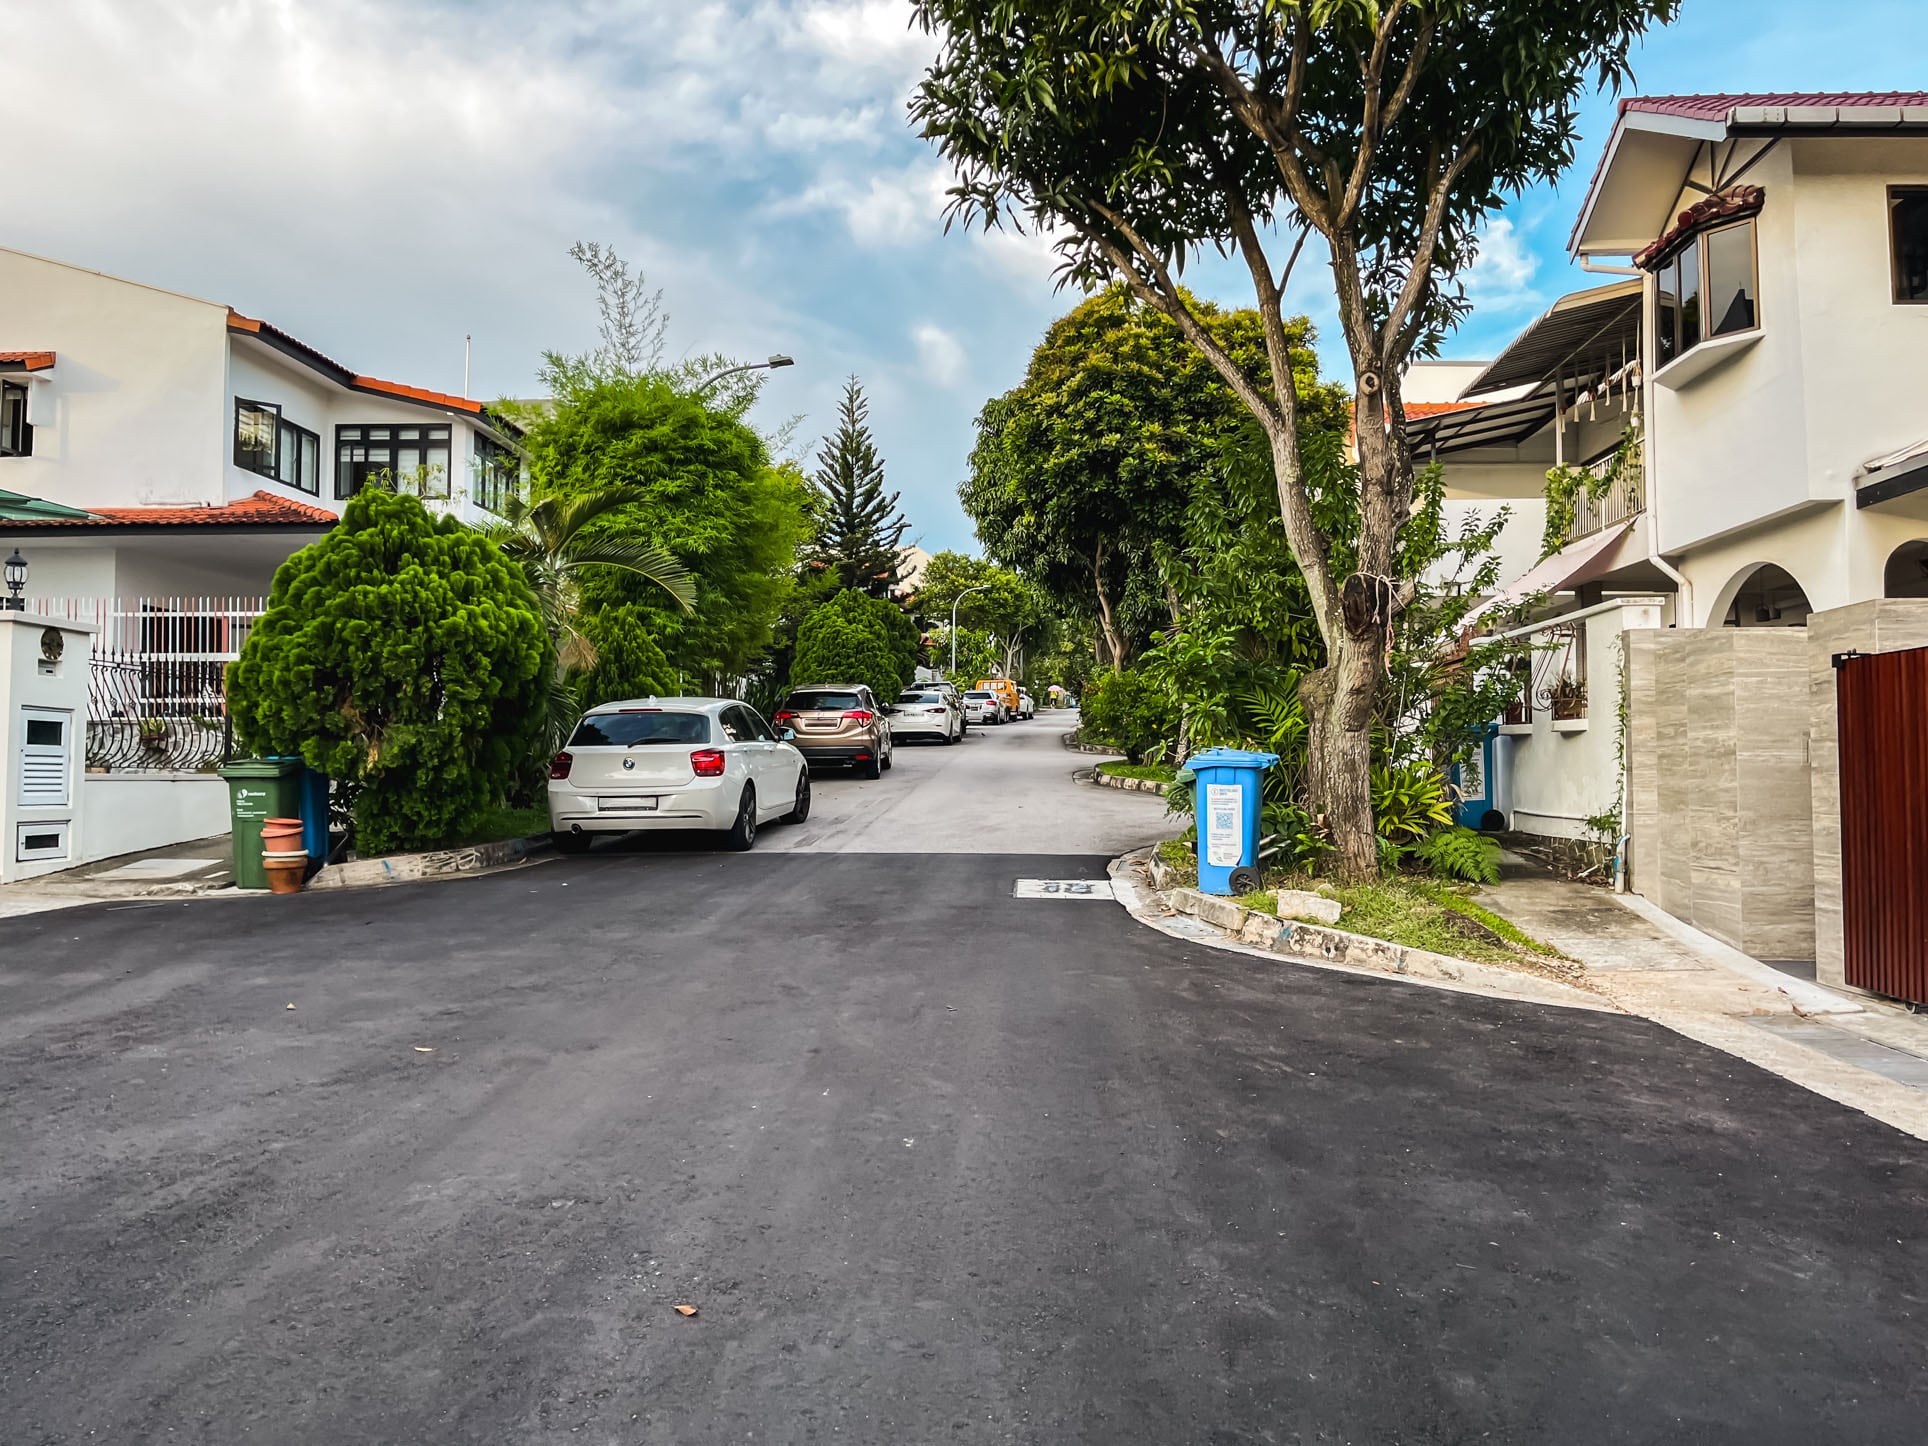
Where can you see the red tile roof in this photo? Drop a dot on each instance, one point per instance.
(354, 380)
(32, 361)
(1716, 107)
(263, 509)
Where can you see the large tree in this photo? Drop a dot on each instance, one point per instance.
(1141, 130)
(860, 531)
(1011, 611)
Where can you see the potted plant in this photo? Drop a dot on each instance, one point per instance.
(1568, 699)
(153, 733)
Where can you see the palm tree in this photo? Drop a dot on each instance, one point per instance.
(547, 540)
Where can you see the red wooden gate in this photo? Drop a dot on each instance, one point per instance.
(1882, 702)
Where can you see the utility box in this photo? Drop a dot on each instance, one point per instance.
(43, 698)
(1228, 798)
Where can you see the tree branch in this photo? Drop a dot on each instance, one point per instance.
(1380, 118)
(1420, 271)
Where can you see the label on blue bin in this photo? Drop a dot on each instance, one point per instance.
(1224, 820)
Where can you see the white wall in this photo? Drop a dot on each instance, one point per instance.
(124, 813)
(1560, 775)
(133, 411)
(1518, 544)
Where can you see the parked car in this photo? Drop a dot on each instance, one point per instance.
(1026, 708)
(1007, 695)
(926, 713)
(838, 723)
(956, 695)
(981, 706)
(674, 763)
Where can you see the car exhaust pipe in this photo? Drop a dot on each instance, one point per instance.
(575, 828)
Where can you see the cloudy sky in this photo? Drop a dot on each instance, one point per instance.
(381, 177)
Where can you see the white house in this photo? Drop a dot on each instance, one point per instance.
(160, 457)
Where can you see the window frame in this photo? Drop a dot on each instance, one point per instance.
(24, 448)
(393, 445)
(500, 462)
(273, 409)
(1696, 241)
(1895, 193)
(282, 430)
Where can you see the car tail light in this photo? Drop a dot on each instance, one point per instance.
(860, 715)
(785, 716)
(559, 765)
(707, 763)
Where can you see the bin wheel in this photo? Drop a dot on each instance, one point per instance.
(1247, 881)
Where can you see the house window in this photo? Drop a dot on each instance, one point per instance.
(1908, 231)
(498, 473)
(16, 433)
(415, 458)
(267, 443)
(1708, 288)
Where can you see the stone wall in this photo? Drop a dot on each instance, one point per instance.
(1719, 791)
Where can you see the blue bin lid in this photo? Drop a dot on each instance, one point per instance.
(1230, 758)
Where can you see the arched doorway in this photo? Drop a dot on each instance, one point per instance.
(1906, 574)
(1767, 597)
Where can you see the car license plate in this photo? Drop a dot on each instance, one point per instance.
(628, 804)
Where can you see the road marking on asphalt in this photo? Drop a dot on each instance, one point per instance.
(1062, 889)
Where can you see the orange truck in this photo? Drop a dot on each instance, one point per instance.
(1007, 694)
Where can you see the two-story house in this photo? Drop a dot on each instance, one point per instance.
(1748, 387)
(157, 445)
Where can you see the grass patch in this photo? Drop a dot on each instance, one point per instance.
(1156, 772)
(499, 824)
(1177, 854)
(1420, 914)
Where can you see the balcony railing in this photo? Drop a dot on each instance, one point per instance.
(1624, 500)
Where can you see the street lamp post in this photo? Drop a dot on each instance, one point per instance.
(981, 587)
(777, 360)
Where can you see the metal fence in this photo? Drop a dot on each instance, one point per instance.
(157, 677)
(1625, 499)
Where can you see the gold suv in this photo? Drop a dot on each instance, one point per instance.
(836, 723)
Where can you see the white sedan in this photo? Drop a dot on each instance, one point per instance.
(674, 763)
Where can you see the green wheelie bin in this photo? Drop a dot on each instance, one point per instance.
(258, 789)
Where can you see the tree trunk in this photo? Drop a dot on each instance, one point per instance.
(1338, 707)
(1114, 644)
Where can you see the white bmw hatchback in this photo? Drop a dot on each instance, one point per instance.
(674, 763)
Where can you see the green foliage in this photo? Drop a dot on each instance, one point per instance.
(859, 530)
(978, 655)
(1460, 853)
(704, 491)
(1147, 772)
(852, 639)
(404, 655)
(1129, 712)
(1409, 802)
(1565, 484)
(628, 663)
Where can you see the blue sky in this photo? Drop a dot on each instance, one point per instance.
(381, 177)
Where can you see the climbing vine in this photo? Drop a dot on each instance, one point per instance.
(1564, 484)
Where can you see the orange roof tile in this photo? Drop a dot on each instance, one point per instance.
(263, 509)
(32, 361)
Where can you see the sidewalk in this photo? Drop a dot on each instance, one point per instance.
(1865, 1053)
(203, 866)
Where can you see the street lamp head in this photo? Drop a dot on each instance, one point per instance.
(778, 359)
(16, 572)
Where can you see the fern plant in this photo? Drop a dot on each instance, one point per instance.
(1409, 802)
(1460, 853)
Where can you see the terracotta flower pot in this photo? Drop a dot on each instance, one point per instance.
(286, 873)
(280, 834)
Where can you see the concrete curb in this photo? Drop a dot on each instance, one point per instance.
(1130, 785)
(433, 864)
(1070, 740)
(1261, 935)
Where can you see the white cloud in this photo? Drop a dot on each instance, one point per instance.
(940, 353)
(883, 209)
(1501, 276)
(872, 35)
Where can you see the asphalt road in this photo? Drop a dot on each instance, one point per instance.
(933, 1165)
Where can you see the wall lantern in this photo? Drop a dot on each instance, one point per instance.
(16, 567)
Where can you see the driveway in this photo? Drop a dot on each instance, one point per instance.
(931, 1163)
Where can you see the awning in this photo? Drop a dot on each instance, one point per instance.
(1580, 339)
(1892, 475)
(1576, 563)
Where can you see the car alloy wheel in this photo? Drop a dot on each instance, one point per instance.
(802, 810)
(742, 835)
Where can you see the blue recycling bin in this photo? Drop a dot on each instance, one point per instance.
(314, 814)
(1228, 801)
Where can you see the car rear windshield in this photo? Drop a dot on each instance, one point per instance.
(625, 730)
(978, 693)
(920, 697)
(812, 702)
